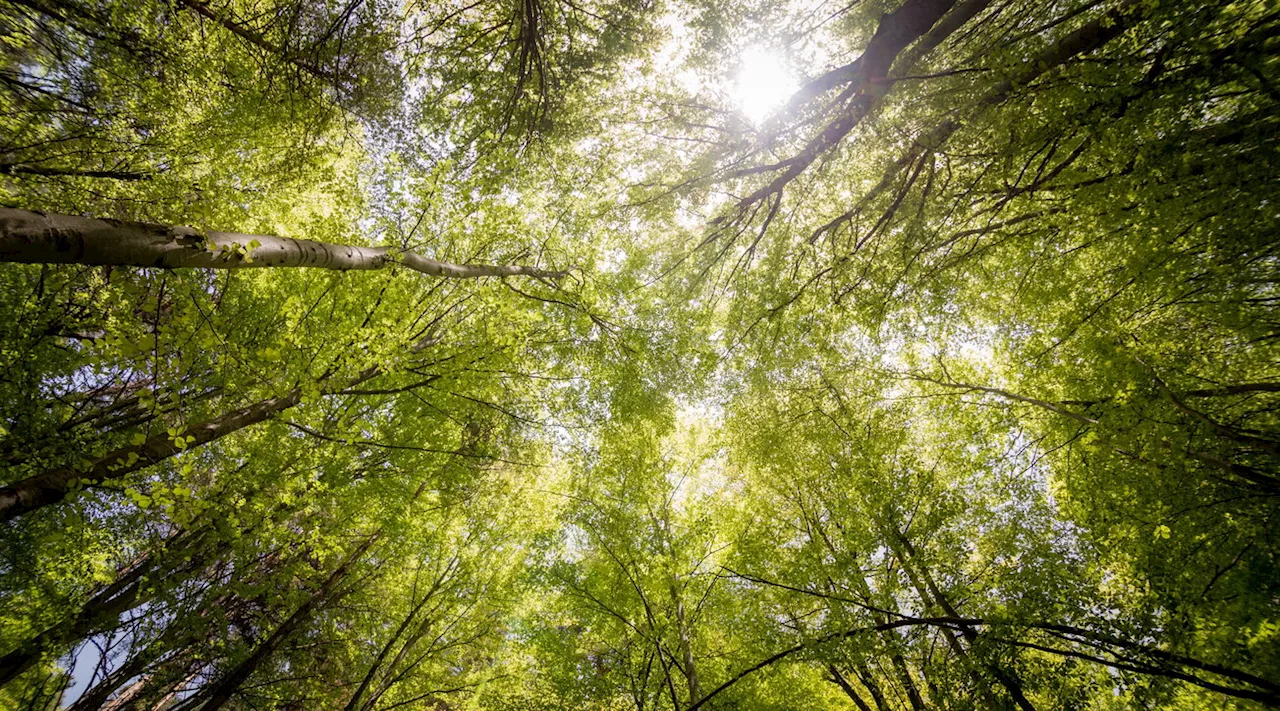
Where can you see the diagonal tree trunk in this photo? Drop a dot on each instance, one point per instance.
(893, 34)
(48, 238)
(838, 679)
(933, 596)
(23, 169)
(220, 692)
(52, 486)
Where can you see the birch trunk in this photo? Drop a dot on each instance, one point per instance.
(49, 238)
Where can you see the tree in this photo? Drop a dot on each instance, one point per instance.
(949, 384)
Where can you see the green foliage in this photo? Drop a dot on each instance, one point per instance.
(952, 384)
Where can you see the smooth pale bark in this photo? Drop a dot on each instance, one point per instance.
(49, 238)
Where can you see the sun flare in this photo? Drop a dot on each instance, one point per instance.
(763, 84)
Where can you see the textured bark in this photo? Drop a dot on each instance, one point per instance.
(22, 169)
(52, 486)
(933, 596)
(47, 238)
(220, 692)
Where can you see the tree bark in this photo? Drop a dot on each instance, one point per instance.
(932, 595)
(217, 695)
(49, 238)
(52, 486)
(22, 169)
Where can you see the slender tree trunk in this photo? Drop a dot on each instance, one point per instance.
(22, 169)
(104, 608)
(47, 238)
(908, 681)
(220, 692)
(895, 652)
(682, 625)
(53, 486)
(686, 645)
(838, 679)
(873, 687)
(354, 702)
(125, 698)
(932, 595)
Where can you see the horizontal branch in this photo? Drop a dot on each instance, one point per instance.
(48, 238)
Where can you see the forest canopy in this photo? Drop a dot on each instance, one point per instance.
(498, 355)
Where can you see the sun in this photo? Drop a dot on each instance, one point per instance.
(763, 83)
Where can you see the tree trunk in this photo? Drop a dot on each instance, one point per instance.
(22, 169)
(52, 486)
(102, 611)
(892, 643)
(893, 34)
(838, 679)
(932, 595)
(686, 645)
(40, 238)
(217, 695)
(873, 687)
